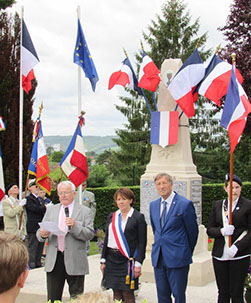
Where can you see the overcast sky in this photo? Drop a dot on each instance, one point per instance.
(109, 26)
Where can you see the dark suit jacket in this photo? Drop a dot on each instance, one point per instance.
(35, 212)
(241, 219)
(135, 234)
(178, 237)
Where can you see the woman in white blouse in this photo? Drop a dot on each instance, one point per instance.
(231, 263)
(124, 247)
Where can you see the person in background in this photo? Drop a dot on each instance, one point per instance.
(66, 257)
(88, 200)
(231, 263)
(43, 198)
(175, 230)
(35, 212)
(13, 269)
(12, 210)
(124, 247)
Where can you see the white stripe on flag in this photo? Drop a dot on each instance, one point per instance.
(164, 128)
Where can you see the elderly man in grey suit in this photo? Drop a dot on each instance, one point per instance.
(66, 257)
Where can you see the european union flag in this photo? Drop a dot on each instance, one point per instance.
(83, 58)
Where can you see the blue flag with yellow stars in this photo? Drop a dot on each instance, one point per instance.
(83, 58)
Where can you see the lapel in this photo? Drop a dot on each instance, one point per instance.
(156, 215)
(75, 211)
(237, 208)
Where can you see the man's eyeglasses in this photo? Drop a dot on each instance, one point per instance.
(64, 193)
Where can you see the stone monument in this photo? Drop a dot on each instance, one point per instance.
(177, 161)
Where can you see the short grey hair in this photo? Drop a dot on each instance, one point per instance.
(161, 175)
(67, 183)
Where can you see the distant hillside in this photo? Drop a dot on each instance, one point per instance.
(92, 143)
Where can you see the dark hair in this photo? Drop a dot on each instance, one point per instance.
(125, 193)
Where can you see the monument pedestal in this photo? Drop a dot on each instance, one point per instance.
(176, 160)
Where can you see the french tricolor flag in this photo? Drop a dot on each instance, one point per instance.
(125, 76)
(39, 166)
(164, 128)
(215, 83)
(1, 177)
(148, 74)
(74, 164)
(29, 58)
(184, 82)
(235, 111)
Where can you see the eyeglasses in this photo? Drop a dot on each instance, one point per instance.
(64, 193)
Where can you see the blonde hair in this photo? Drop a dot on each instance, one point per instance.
(92, 297)
(13, 260)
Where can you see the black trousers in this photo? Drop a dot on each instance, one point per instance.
(56, 280)
(230, 278)
(35, 249)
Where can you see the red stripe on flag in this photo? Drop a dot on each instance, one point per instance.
(79, 160)
(120, 78)
(186, 104)
(1, 194)
(26, 81)
(77, 177)
(173, 127)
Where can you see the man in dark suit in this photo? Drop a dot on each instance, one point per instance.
(175, 229)
(66, 257)
(35, 212)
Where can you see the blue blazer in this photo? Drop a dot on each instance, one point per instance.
(179, 235)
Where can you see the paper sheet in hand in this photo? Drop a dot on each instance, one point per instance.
(51, 227)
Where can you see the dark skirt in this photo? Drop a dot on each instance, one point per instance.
(116, 271)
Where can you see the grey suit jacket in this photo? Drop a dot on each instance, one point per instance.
(75, 257)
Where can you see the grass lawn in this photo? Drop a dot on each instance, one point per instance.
(93, 248)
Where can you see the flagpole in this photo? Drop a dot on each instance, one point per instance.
(79, 106)
(233, 55)
(21, 99)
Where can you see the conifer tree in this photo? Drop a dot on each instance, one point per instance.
(171, 36)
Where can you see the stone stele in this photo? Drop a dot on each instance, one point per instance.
(177, 161)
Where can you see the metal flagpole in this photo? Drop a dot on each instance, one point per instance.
(21, 99)
(231, 176)
(79, 107)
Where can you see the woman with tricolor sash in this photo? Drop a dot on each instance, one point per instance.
(231, 263)
(124, 247)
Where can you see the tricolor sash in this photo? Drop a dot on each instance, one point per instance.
(123, 246)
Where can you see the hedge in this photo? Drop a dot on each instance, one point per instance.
(105, 202)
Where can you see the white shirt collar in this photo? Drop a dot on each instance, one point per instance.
(169, 200)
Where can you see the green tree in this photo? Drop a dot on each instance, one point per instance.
(57, 156)
(99, 176)
(6, 3)
(9, 96)
(171, 36)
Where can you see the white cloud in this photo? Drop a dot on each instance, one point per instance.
(108, 27)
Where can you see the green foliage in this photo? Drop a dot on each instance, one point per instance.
(99, 176)
(9, 96)
(57, 156)
(6, 3)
